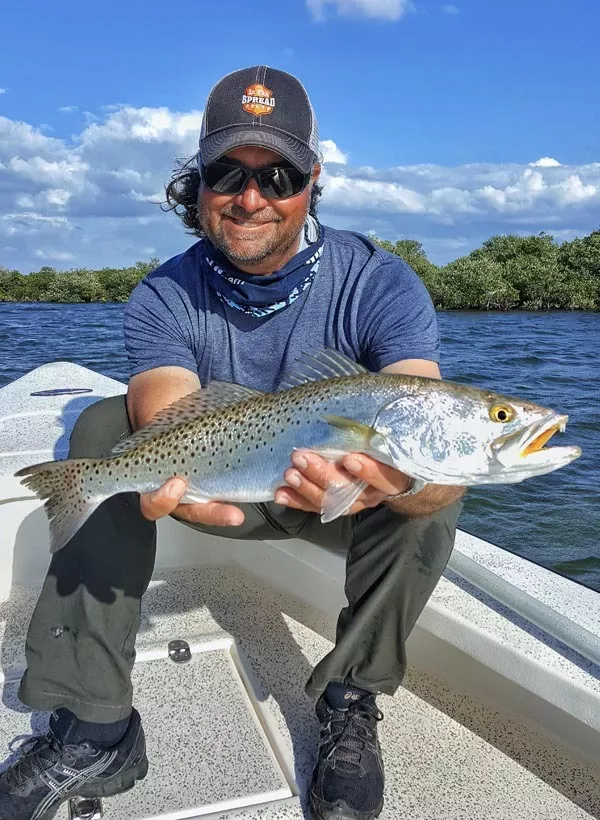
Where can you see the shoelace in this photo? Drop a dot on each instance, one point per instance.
(39, 753)
(350, 729)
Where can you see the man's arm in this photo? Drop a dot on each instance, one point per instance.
(153, 390)
(149, 392)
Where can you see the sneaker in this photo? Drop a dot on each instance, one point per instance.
(50, 772)
(348, 779)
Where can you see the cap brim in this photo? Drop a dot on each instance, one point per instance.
(215, 145)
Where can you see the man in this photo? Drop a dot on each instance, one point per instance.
(265, 283)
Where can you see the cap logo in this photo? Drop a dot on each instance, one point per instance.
(257, 100)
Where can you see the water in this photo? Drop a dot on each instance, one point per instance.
(550, 358)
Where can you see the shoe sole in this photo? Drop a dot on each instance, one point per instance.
(118, 785)
(341, 811)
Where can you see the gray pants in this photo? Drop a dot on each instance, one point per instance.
(95, 584)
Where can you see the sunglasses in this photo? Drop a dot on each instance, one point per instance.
(274, 181)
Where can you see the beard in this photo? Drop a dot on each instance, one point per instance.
(248, 249)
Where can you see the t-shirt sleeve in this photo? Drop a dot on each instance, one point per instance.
(397, 318)
(158, 328)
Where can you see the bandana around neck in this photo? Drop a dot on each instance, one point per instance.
(260, 295)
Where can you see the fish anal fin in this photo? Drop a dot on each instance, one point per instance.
(214, 396)
(339, 498)
(193, 497)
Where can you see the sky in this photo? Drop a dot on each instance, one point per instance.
(441, 122)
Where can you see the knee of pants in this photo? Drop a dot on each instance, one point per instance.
(99, 427)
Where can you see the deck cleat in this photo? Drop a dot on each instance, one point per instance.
(85, 808)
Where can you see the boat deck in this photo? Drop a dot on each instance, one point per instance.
(231, 733)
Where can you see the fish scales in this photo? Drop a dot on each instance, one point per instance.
(240, 453)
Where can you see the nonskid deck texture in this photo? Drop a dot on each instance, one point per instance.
(447, 755)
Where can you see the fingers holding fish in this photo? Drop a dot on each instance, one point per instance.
(212, 513)
(387, 480)
(166, 501)
(313, 477)
(163, 501)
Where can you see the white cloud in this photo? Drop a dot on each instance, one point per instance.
(93, 199)
(331, 153)
(3, 90)
(18, 139)
(42, 171)
(28, 224)
(53, 255)
(381, 9)
(473, 192)
(545, 162)
(128, 124)
(450, 9)
(67, 109)
(58, 197)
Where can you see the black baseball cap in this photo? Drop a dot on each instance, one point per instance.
(260, 106)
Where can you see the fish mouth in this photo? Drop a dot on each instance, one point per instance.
(525, 449)
(539, 434)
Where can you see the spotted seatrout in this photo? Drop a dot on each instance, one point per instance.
(232, 443)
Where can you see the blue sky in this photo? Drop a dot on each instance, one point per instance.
(442, 122)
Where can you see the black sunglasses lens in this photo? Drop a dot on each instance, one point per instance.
(278, 183)
(274, 183)
(224, 178)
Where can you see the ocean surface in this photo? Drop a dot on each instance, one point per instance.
(550, 358)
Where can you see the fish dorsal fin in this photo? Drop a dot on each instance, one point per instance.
(214, 396)
(324, 364)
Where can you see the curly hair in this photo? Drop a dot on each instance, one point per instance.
(182, 195)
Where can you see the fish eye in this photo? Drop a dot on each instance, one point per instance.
(502, 413)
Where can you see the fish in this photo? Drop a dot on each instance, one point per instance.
(233, 443)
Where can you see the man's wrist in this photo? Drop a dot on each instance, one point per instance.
(413, 488)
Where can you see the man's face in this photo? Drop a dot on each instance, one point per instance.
(255, 233)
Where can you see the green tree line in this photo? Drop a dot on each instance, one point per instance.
(508, 272)
(78, 285)
(512, 272)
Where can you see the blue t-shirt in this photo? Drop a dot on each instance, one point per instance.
(364, 302)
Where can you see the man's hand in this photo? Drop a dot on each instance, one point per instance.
(165, 501)
(307, 483)
(149, 392)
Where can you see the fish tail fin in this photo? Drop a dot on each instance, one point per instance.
(68, 504)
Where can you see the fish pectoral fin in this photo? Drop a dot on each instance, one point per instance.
(361, 438)
(355, 434)
(339, 498)
(214, 396)
(323, 364)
